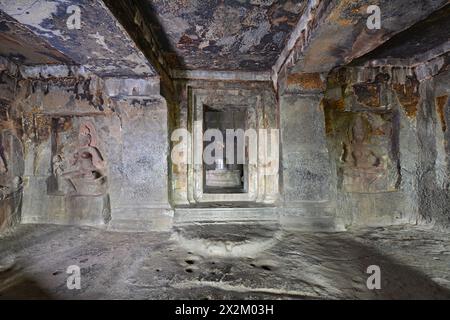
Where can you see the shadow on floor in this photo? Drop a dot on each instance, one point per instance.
(14, 285)
(341, 263)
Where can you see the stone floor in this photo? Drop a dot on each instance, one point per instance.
(219, 261)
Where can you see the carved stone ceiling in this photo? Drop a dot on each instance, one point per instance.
(243, 35)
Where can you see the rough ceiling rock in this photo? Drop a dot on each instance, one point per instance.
(22, 46)
(223, 35)
(101, 45)
(341, 34)
(421, 42)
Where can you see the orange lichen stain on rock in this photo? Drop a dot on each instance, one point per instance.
(7, 124)
(66, 125)
(378, 132)
(334, 104)
(345, 22)
(185, 40)
(362, 9)
(308, 81)
(441, 102)
(330, 108)
(408, 96)
(42, 127)
(328, 123)
(345, 13)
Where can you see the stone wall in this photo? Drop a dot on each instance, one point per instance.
(358, 146)
(366, 146)
(433, 138)
(365, 123)
(11, 150)
(387, 136)
(94, 151)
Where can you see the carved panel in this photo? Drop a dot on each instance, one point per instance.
(366, 151)
(11, 171)
(78, 170)
(78, 165)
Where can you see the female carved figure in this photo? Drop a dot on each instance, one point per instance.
(9, 181)
(88, 176)
(364, 170)
(363, 156)
(3, 165)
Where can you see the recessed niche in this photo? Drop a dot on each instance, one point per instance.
(225, 174)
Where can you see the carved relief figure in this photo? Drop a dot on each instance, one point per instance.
(3, 164)
(58, 165)
(364, 170)
(4, 189)
(85, 169)
(10, 181)
(79, 171)
(363, 157)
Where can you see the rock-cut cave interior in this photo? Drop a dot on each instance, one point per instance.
(225, 149)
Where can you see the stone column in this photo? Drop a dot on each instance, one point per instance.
(433, 140)
(139, 180)
(306, 167)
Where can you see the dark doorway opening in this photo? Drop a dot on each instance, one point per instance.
(224, 175)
